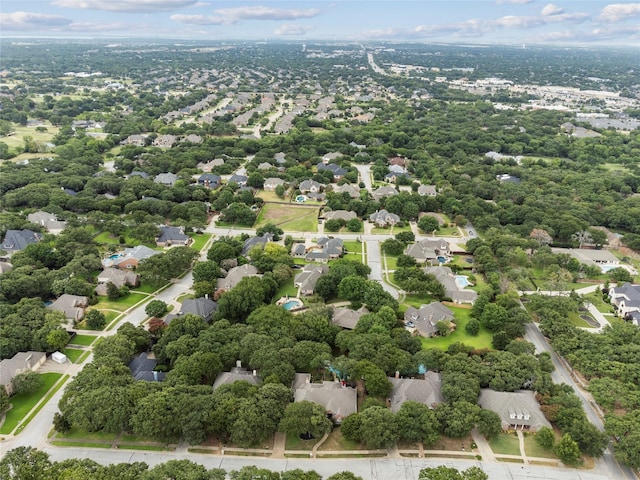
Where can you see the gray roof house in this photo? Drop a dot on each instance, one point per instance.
(143, 368)
(339, 401)
(337, 170)
(382, 218)
(71, 305)
(235, 275)
(427, 191)
(237, 374)
(382, 192)
(445, 276)
(352, 190)
(392, 177)
(209, 180)
(47, 220)
(264, 166)
(207, 167)
(329, 248)
(312, 186)
(253, 242)
(424, 320)
(203, 307)
(168, 179)
(306, 280)
(172, 236)
(165, 141)
(298, 250)
(130, 257)
(16, 240)
(241, 180)
(19, 363)
(517, 410)
(347, 318)
(427, 390)
(344, 215)
(626, 298)
(118, 277)
(432, 251)
(271, 183)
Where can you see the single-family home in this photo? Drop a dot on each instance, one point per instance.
(427, 390)
(382, 218)
(167, 179)
(603, 259)
(165, 141)
(139, 173)
(359, 146)
(172, 236)
(432, 251)
(626, 299)
(424, 320)
(47, 220)
(337, 170)
(129, 258)
(21, 362)
(347, 318)
(253, 242)
(338, 400)
(397, 169)
(280, 158)
(264, 166)
(401, 161)
(271, 183)
(235, 275)
(518, 410)
(392, 177)
(240, 180)
(203, 307)
(427, 191)
(382, 192)
(306, 280)
(210, 165)
(327, 157)
(71, 305)
(344, 215)
(143, 366)
(118, 277)
(135, 140)
(452, 289)
(16, 240)
(193, 138)
(298, 250)
(351, 190)
(209, 180)
(310, 186)
(237, 374)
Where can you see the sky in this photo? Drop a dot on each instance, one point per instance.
(575, 22)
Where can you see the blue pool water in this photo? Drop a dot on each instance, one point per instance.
(462, 281)
(606, 268)
(301, 198)
(292, 304)
(442, 259)
(117, 255)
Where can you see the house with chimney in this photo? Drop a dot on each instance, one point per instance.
(423, 321)
(21, 362)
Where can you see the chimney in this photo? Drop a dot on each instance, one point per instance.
(238, 364)
(397, 374)
(255, 373)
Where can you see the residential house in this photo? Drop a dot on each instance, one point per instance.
(347, 318)
(119, 278)
(21, 362)
(359, 146)
(318, 197)
(192, 138)
(16, 240)
(235, 275)
(424, 321)
(130, 257)
(427, 191)
(432, 251)
(165, 141)
(167, 179)
(237, 374)
(397, 169)
(71, 305)
(602, 259)
(626, 299)
(518, 410)
(240, 180)
(280, 158)
(143, 366)
(209, 180)
(298, 250)
(264, 166)
(210, 165)
(310, 186)
(344, 215)
(328, 157)
(306, 280)
(47, 220)
(382, 218)
(172, 236)
(427, 390)
(338, 400)
(253, 242)
(392, 177)
(271, 183)
(352, 190)
(382, 192)
(203, 307)
(139, 173)
(337, 170)
(135, 140)
(400, 161)
(455, 292)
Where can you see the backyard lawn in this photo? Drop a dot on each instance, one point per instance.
(287, 289)
(463, 315)
(289, 217)
(120, 304)
(22, 404)
(505, 444)
(84, 340)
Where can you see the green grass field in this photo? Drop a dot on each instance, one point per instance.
(199, 240)
(287, 288)
(463, 315)
(22, 404)
(84, 340)
(73, 353)
(532, 449)
(121, 304)
(506, 444)
(77, 434)
(17, 139)
(353, 247)
(575, 319)
(289, 217)
(106, 237)
(295, 443)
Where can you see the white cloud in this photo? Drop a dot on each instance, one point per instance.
(199, 19)
(619, 11)
(266, 13)
(145, 6)
(292, 29)
(551, 9)
(599, 34)
(519, 2)
(31, 21)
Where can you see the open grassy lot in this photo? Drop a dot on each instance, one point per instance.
(106, 237)
(20, 132)
(121, 304)
(505, 443)
(353, 247)
(448, 232)
(289, 217)
(199, 240)
(463, 315)
(22, 403)
(84, 340)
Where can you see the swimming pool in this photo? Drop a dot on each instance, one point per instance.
(442, 259)
(608, 267)
(462, 281)
(301, 199)
(291, 304)
(117, 255)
